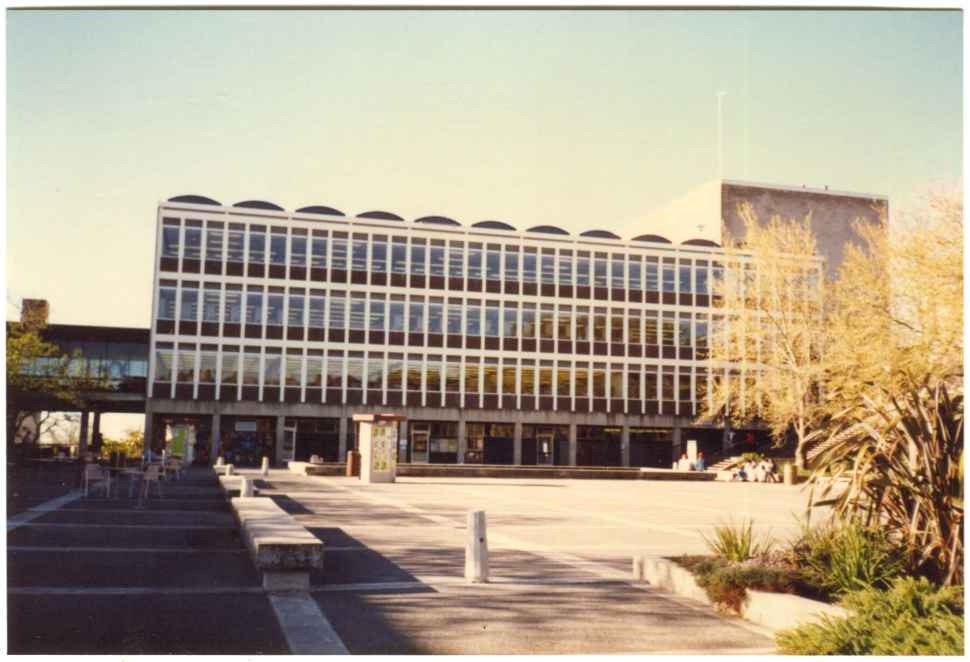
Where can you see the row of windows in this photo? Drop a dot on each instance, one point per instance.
(436, 257)
(333, 309)
(381, 371)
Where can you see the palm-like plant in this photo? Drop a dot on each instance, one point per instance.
(898, 464)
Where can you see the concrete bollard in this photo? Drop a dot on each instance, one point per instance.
(638, 568)
(476, 548)
(245, 487)
(264, 471)
(227, 470)
(219, 461)
(789, 474)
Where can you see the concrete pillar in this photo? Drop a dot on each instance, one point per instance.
(149, 427)
(517, 443)
(96, 433)
(462, 441)
(83, 435)
(625, 445)
(215, 444)
(280, 434)
(677, 444)
(726, 438)
(342, 439)
(402, 433)
(573, 445)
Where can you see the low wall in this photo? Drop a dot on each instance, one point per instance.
(512, 471)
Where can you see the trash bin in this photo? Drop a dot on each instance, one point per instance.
(353, 463)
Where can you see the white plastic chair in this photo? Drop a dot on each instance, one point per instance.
(152, 474)
(173, 465)
(95, 472)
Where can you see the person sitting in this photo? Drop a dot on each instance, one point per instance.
(684, 463)
(740, 474)
(699, 465)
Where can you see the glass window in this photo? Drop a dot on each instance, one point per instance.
(213, 244)
(684, 278)
(414, 374)
(650, 331)
(582, 271)
(395, 373)
(668, 332)
(683, 386)
(669, 280)
(473, 321)
(166, 303)
(545, 379)
(318, 257)
(186, 367)
(295, 314)
(399, 256)
(416, 317)
(232, 313)
(491, 321)
(338, 311)
(565, 323)
(549, 269)
(316, 312)
(210, 306)
(508, 379)
(375, 372)
(396, 316)
(314, 371)
(170, 242)
(355, 372)
(616, 327)
(701, 276)
(511, 266)
(339, 257)
(163, 365)
(475, 263)
(358, 312)
(274, 310)
(294, 370)
(378, 257)
(700, 334)
(582, 380)
(529, 321)
(432, 377)
(190, 305)
(565, 269)
(616, 382)
(272, 364)
(650, 385)
(208, 362)
(298, 251)
(193, 243)
(454, 318)
(453, 376)
(417, 259)
(618, 276)
(437, 261)
(335, 371)
(599, 274)
(471, 377)
(359, 256)
(599, 381)
(582, 324)
(599, 325)
(277, 249)
(510, 327)
(250, 369)
(493, 264)
(633, 325)
(230, 368)
(683, 331)
(667, 386)
(237, 245)
(653, 284)
(633, 383)
(547, 322)
(257, 246)
(456, 261)
(435, 318)
(376, 315)
(527, 386)
(529, 268)
(490, 374)
(562, 380)
(635, 273)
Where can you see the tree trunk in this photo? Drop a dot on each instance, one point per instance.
(801, 452)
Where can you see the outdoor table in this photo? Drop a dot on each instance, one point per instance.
(133, 474)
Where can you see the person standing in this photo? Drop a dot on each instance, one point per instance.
(699, 465)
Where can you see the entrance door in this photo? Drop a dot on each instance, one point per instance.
(545, 447)
(419, 443)
(288, 452)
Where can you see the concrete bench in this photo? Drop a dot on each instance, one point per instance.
(232, 485)
(283, 550)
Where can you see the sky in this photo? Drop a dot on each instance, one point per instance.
(581, 119)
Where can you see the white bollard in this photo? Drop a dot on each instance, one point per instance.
(245, 487)
(638, 568)
(264, 472)
(227, 470)
(219, 461)
(476, 548)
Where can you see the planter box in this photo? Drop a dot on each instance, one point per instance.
(775, 611)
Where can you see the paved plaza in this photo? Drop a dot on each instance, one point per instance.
(97, 575)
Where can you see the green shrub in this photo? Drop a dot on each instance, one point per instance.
(751, 457)
(737, 542)
(726, 583)
(913, 617)
(847, 557)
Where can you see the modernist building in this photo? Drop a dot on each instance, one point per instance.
(271, 329)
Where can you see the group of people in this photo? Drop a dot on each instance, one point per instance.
(757, 472)
(686, 464)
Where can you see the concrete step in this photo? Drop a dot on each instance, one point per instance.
(86, 568)
(125, 516)
(123, 537)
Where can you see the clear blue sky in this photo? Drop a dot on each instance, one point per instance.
(582, 119)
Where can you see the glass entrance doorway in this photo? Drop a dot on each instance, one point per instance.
(420, 436)
(651, 447)
(545, 445)
(288, 452)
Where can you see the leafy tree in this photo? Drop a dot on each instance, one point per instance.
(130, 445)
(768, 331)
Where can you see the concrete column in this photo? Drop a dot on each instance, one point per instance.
(726, 438)
(280, 434)
(342, 439)
(215, 444)
(96, 433)
(625, 445)
(573, 445)
(462, 442)
(517, 443)
(149, 428)
(678, 444)
(402, 433)
(83, 435)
